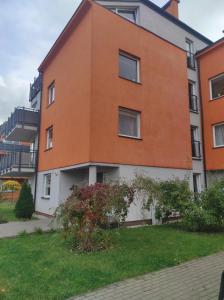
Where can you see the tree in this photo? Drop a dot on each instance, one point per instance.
(24, 208)
(11, 185)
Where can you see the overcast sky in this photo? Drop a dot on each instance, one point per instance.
(29, 28)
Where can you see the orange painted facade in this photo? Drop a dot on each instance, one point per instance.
(89, 92)
(212, 64)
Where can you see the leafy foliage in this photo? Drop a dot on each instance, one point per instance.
(11, 185)
(89, 209)
(24, 208)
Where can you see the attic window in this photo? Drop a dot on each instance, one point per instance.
(127, 13)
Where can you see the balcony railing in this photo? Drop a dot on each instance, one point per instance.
(193, 102)
(196, 149)
(191, 60)
(18, 163)
(22, 125)
(13, 147)
(36, 87)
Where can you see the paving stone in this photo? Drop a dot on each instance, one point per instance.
(195, 280)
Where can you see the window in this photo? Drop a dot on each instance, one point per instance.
(47, 185)
(197, 183)
(129, 123)
(195, 142)
(51, 93)
(49, 138)
(193, 101)
(99, 177)
(190, 54)
(127, 13)
(217, 87)
(128, 67)
(218, 135)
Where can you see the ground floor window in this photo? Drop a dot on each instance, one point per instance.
(47, 185)
(197, 182)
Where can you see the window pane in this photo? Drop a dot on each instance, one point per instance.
(219, 135)
(127, 14)
(128, 123)
(128, 67)
(218, 87)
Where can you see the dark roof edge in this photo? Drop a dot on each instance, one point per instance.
(210, 46)
(171, 18)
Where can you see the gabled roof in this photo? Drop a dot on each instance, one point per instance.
(162, 12)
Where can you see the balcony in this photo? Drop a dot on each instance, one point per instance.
(18, 164)
(36, 87)
(191, 60)
(21, 126)
(196, 149)
(193, 103)
(5, 148)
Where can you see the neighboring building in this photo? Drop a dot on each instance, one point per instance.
(118, 95)
(212, 91)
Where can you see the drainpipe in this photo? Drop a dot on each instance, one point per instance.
(202, 125)
(38, 145)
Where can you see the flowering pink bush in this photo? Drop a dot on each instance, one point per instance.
(89, 209)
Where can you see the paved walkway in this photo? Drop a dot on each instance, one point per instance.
(12, 229)
(195, 280)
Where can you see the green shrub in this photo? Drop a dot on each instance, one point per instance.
(89, 209)
(3, 220)
(201, 220)
(24, 208)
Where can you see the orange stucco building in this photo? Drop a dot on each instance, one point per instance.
(212, 94)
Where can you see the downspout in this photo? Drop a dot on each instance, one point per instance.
(202, 125)
(38, 145)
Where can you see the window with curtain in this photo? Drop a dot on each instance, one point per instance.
(49, 138)
(219, 135)
(217, 87)
(128, 67)
(129, 123)
(51, 93)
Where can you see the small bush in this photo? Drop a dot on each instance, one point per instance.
(3, 220)
(89, 209)
(24, 208)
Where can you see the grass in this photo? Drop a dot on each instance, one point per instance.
(42, 266)
(7, 212)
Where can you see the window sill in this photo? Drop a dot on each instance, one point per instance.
(218, 147)
(136, 82)
(130, 137)
(48, 149)
(191, 68)
(194, 111)
(50, 104)
(197, 158)
(45, 197)
(217, 98)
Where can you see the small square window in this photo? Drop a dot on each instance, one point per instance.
(129, 123)
(129, 67)
(49, 143)
(47, 185)
(218, 135)
(217, 87)
(51, 93)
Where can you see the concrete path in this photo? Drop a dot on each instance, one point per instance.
(12, 229)
(195, 280)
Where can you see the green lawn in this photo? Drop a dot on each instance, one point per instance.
(6, 210)
(42, 267)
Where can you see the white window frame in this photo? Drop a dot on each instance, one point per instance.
(51, 95)
(132, 57)
(49, 144)
(214, 139)
(46, 185)
(210, 87)
(198, 179)
(138, 114)
(191, 43)
(116, 10)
